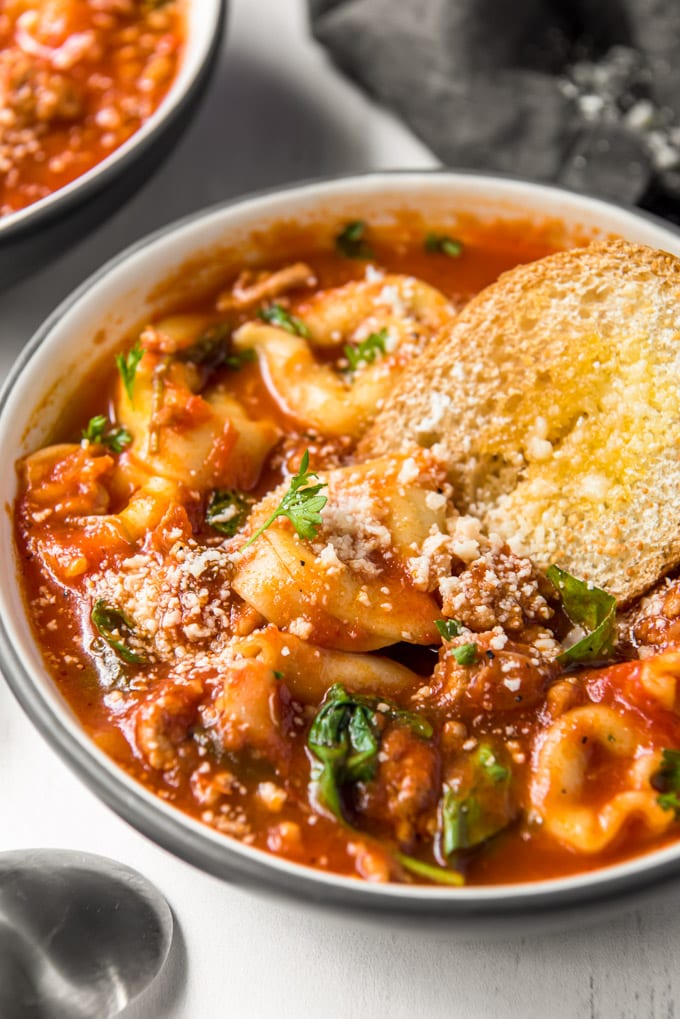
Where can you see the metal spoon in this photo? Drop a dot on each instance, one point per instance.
(80, 935)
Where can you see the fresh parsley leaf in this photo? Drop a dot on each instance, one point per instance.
(667, 782)
(344, 739)
(367, 351)
(591, 608)
(302, 504)
(98, 431)
(277, 315)
(439, 875)
(117, 630)
(479, 806)
(465, 654)
(127, 366)
(442, 244)
(95, 428)
(226, 511)
(448, 628)
(350, 241)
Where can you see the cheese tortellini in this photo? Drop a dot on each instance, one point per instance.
(402, 312)
(349, 588)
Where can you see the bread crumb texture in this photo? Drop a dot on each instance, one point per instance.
(555, 397)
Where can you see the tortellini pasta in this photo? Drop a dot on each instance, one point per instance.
(349, 589)
(560, 790)
(403, 312)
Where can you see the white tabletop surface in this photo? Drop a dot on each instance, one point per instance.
(277, 111)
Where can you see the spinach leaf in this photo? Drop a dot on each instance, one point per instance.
(350, 241)
(667, 782)
(591, 608)
(478, 806)
(227, 511)
(344, 739)
(443, 244)
(440, 875)
(213, 350)
(117, 630)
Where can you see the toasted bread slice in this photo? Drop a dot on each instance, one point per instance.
(555, 398)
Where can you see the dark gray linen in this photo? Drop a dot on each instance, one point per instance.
(585, 94)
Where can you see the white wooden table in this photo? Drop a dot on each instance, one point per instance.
(277, 112)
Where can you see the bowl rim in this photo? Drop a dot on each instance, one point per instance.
(197, 843)
(34, 217)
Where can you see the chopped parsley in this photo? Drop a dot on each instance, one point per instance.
(127, 366)
(351, 242)
(99, 431)
(277, 315)
(465, 654)
(448, 628)
(442, 244)
(302, 504)
(368, 350)
(590, 608)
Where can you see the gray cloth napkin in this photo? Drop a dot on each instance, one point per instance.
(584, 93)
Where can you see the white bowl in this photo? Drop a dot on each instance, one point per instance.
(116, 300)
(43, 229)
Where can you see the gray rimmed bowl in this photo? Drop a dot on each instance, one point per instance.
(32, 236)
(46, 378)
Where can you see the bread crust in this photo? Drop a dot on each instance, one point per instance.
(554, 399)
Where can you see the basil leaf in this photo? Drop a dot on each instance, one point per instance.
(589, 607)
(117, 630)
